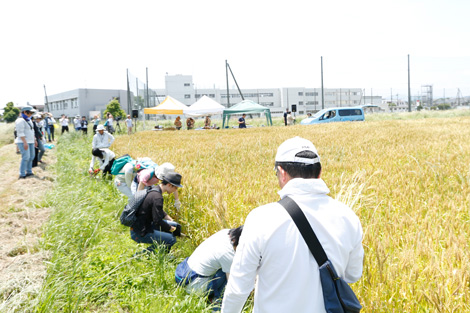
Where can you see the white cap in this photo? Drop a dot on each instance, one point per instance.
(164, 169)
(100, 127)
(288, 149)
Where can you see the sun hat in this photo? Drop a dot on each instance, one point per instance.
(173, 178)
(288, 150)
(164, 169)
(28, 108)
(100, 127)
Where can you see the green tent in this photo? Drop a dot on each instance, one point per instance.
(248, 107)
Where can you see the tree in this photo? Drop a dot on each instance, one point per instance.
(10, 113)
(114, 107)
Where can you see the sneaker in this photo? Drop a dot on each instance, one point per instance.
(42, 162)
(21, 177)
(29, 174)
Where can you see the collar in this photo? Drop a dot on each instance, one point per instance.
(303, 186)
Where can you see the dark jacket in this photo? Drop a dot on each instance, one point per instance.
(37, 132)
(150, 214)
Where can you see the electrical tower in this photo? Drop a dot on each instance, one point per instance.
(426, 98)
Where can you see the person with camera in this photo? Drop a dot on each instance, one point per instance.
(153, 225)
(272, 250)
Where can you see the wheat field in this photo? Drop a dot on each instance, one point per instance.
(407, 180)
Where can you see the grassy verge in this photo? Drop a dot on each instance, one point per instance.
(92, 268)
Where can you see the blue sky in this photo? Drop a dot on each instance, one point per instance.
(269, 44)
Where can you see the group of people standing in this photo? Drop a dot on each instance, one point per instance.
(30, 138)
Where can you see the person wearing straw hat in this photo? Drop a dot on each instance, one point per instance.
(153, 225)
(102, 139)
(26, 141)
(272, 251)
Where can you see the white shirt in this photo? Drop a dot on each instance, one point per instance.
(108, 155)
(24, 129)
(102, 141)
(77, 123)
(213, 254)
(272, 250)
(128, 122)
(64, 122)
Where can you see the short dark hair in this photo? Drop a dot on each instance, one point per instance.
(97, 153)
(234, 235)
(302, 170)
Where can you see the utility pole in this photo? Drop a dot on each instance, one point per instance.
(322, 90)
(47, 101)
(226, 77)
(409, 89)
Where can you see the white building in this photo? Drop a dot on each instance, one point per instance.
(84, 101)
(181, 87)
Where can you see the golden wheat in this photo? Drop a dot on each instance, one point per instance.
(408, 181)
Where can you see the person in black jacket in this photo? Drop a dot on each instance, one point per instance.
(39, 138)
(153, 224)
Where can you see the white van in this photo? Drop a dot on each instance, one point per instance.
(335, 115)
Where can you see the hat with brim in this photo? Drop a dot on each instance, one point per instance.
(288, 150)
(173, 178)
(100, 127)
(164, 169)
(28, 108)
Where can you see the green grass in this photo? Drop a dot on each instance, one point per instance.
(92, 268)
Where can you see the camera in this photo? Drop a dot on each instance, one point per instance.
(118, 118)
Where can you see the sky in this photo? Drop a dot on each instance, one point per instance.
(65, 45)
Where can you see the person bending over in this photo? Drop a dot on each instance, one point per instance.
(153, 225)
(105, 158)
(207, 270)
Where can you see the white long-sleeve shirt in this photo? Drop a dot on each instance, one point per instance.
(272, 250)
(24, 129)
(108, 155)
(102, 141)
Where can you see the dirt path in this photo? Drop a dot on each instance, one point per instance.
(22, 219)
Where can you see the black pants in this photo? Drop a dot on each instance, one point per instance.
(51, 128)
(65, 128)
(107, 169)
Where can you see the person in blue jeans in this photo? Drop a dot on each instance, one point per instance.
(26, 141)
(207, 270)
(153, 225)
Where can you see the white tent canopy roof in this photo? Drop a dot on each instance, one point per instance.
(204, 106)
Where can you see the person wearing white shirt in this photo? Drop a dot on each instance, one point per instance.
(102, 139)
(26, 141)
(64, 122)
(129, 124)
(105, 158)
(208, 268)
(272, 251)
(77, 123)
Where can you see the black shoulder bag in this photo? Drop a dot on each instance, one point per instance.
(337, 294)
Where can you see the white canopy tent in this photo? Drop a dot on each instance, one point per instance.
(203, 107)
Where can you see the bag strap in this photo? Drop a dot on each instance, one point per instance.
(305, 229)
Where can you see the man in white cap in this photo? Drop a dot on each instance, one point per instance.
(273, 252)
(77, 123)
(102, 139)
